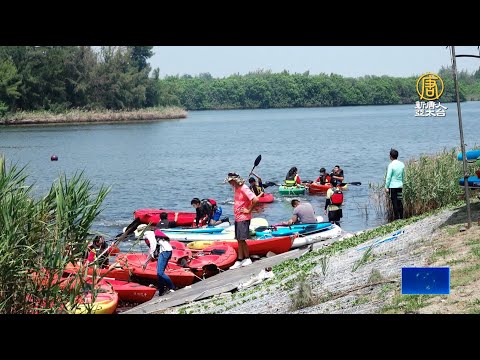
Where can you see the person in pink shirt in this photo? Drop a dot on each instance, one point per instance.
(244, 202)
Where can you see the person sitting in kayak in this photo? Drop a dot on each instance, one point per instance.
(303, 213)
(164, 223)
(258, 189)
(292, 177)
(323, 178)
(337, 174)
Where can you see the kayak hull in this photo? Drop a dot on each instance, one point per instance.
(277, 245)
(266, 198)
(291, 190)
(315, 188)
(473, 182)
(471, 155)
(293, 229)
(153, 216)
(307, 239)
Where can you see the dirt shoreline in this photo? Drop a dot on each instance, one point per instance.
(93, 117)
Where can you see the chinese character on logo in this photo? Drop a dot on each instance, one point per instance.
(429, 87)
(440, 109)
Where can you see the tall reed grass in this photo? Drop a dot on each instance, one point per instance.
(92, 116)
(39, 237)
(430, 182)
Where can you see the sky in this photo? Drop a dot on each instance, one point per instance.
(349, 61)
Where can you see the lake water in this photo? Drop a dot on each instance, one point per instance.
(167, 163)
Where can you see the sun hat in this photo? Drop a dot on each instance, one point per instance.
(234, 176)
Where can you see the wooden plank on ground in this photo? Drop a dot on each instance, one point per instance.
(225, 281)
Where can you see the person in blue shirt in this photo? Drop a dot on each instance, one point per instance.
(394, 183)
(216, 214)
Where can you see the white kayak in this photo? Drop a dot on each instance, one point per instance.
(228, 233)
(303, 240)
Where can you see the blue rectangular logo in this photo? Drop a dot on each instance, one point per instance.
(426, 281)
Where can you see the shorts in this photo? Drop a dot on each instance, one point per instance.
(242, 230)
(217, 214)
(335, 215)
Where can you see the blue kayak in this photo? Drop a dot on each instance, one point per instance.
(208, 230)
(473, 181)
(293, 229)
(471, 155)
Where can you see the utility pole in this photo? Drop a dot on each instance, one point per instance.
(462, 143)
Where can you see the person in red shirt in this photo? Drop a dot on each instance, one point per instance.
(244, 202)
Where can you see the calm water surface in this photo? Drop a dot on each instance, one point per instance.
(167, 163)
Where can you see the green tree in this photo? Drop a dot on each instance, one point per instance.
(9, 83)
(140, 56)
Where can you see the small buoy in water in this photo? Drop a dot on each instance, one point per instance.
(54, 158)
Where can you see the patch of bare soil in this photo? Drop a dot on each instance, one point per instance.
(460, 250)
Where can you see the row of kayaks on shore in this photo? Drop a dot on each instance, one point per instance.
(127, 281)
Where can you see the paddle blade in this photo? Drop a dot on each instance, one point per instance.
(355, 183)
(257, 160)
(263, 228)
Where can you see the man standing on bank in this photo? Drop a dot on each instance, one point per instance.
(244, 202)
(394, 184)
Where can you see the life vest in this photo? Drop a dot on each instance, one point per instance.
(337, 197)
(291, 180)
(163, 224)
(208, 204)
(256, 189)
(324, 179)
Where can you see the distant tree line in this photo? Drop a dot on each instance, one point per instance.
(264, 89)
(59, 78)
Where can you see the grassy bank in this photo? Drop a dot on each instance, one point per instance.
(430, 183)
(92, 116)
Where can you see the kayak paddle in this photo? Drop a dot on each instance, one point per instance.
(255, 164)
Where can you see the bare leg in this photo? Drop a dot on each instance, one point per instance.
(243, 252)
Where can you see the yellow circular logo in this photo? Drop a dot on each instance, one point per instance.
(430, 87)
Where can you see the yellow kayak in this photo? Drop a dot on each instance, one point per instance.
(105, 303)
(202, 244)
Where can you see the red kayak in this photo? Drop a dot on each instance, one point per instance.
(118, 272)
(277, 245)
(315, 188)
(153, 216)
(266, 198)
(129, 291)
(208, 261)
(179, 275)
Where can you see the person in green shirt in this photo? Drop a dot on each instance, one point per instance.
(394, 183)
